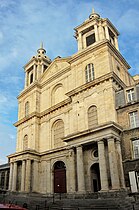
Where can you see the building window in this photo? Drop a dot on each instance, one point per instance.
(89, 72)
(134, 119)
(111, 34)
(31, 78)
(90, 40)
(130, 95)
(135, 144)
(58, 132)
(25, 142)
(26, 109)
(92, 117)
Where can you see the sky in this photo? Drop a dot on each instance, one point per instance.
(24, 24)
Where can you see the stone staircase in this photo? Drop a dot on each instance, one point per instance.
(70, 202)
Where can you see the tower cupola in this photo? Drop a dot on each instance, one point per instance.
(36, 66)
(95, 30)
(41, 50)
(94, 14)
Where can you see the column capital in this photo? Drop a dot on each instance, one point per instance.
(79, 146)
(110, 138)
(100, 141)
(118, 140)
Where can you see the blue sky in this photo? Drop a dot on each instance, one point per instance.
(25, 23)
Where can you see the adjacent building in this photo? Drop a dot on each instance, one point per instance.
(77, 118)
(4, 177)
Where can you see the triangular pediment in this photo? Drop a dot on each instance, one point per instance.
(54, 68)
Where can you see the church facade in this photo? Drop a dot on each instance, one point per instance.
(70, 122)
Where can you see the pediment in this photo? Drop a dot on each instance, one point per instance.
(56, 66)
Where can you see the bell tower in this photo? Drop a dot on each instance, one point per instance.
(94, 30)
(36, 66)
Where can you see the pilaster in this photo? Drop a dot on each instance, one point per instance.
(116, 42)
(96, 33)
(120, 165)
(107, 33)
(48, 167)
(71, 171)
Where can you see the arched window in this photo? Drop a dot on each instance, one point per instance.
(26, 109)
(57, 94)
(92, 117)
(89, 72)
(25, 142)
(58, 133)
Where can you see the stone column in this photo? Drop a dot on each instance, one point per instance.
(26, 79)
(80, 43)
(116, 42)
(34, 73)
(107, 33)
(11, 176)
(23, 172)
(28, 175)
(113, 164)
(42, 68)
(120, 165)
(101, 32)
(80, 170)
(96, 33)
(5, 180)
(71, 171)
(43, 186)
(102, 166)
(14, 177)
(48, 180)
(35, 176)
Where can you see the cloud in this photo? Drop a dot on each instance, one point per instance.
(128, 22)
(7, 103)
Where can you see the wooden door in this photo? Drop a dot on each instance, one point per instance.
(60, 180)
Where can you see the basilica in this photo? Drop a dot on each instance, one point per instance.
(78, 118)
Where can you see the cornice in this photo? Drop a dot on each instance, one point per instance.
(25, 119)
(119, 55)
(31, 152)
(52, 78)
(112, 26)
(96, 46)
(42, 114)
(86, 22)
(110, 124)
(87, 50)
(29, 88)
(91, 84)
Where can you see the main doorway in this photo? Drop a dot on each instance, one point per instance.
(95, 178)
(59, 177)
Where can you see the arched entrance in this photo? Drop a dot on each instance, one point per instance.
(95, 178)
(59, 177)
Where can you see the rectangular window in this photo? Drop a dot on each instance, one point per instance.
(90, 39)
(130, 95)
(135, 144)
(134, 119)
